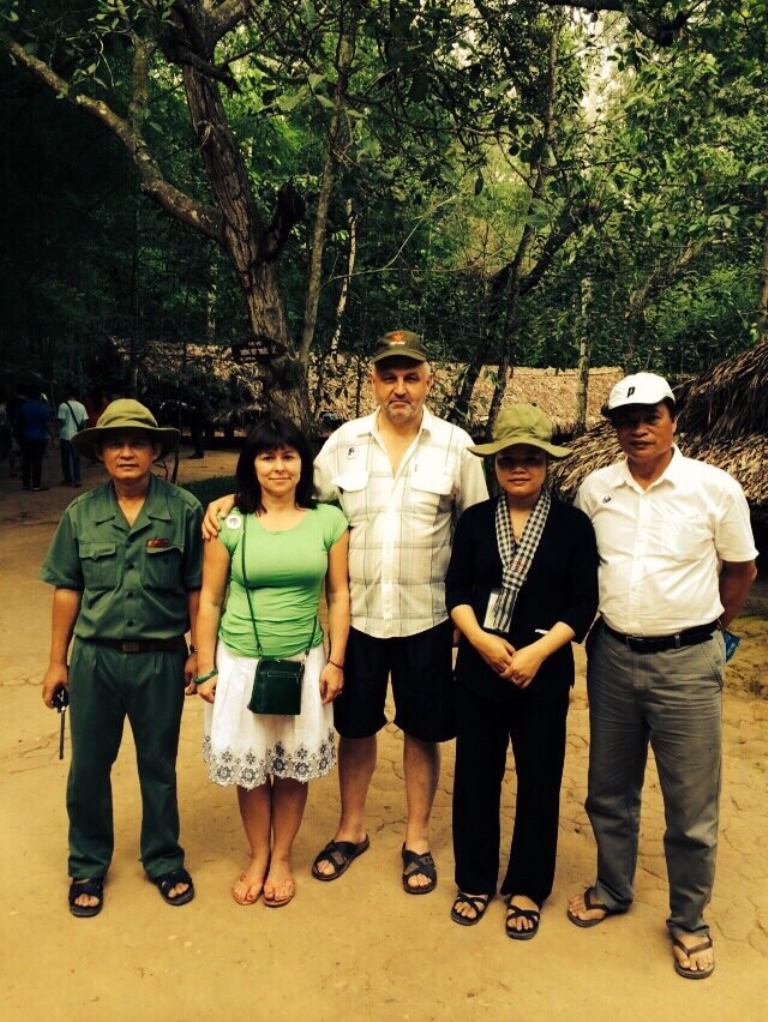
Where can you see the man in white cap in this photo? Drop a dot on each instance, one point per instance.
(677, 559)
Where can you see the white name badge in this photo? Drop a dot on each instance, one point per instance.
(489, 621)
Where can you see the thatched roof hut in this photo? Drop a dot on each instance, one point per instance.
(723, 420)
(347, 393)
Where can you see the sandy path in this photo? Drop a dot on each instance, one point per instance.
(357, 948)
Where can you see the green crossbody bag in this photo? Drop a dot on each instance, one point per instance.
(277, 682)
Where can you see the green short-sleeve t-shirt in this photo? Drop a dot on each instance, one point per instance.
(285, 572)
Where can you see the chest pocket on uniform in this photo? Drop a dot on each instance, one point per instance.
(99, 564)
(162, 568)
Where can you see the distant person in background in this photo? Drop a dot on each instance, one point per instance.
(95, 403)
(35, 426)
(197, 429)
(5, 432)
(12, 412)
(71, 417)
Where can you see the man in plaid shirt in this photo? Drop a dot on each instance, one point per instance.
(402, 478)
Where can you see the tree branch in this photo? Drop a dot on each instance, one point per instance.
(663, 31)
(202, 218)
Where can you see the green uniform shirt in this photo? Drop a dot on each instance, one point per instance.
(135, 579)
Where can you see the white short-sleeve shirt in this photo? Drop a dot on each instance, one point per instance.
(661, 549)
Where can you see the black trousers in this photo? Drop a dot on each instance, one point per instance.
(32, 453)
(534, 720)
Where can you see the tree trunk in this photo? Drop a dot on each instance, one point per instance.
(582, 387)
(328, 362)
(252, 252)
(762, 296)
(335, 133)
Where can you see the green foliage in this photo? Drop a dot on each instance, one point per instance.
(207, 490)
(654, 181)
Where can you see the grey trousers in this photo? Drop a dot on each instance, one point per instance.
(672, 699)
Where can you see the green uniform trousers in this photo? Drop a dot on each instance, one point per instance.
(105, 686)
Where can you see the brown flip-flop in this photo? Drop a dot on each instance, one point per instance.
(589, 905)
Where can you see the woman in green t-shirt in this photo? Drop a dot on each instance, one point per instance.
(275, 549)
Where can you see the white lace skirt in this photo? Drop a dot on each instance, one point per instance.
(244, 748)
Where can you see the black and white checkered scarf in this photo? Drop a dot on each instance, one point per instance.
(516, 557)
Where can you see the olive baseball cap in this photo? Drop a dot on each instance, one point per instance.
(521, 424)
(119, 416)
(400, 344)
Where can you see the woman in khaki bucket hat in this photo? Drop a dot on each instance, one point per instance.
(521, 586)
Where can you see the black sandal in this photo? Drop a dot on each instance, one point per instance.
(93, 888)
(340, 855)
(166, 883)
(533, 915)
(477, 902)
(418, 864)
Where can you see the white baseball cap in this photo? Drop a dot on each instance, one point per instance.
(640, 389)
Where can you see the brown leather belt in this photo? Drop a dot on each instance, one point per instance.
(142, 645)
(659, 643)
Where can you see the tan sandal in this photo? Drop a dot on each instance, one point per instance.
(248, 900)
(287, 889)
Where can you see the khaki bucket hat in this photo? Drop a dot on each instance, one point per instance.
(121, 415)
(522, 424)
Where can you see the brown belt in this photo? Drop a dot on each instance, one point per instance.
(142, 645)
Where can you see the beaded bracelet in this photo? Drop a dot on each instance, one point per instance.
(204, 677)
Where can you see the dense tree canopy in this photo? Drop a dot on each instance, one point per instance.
(523, 181)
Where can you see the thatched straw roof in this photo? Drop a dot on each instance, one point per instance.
(347, 393)
(730, 400)
(723, 420)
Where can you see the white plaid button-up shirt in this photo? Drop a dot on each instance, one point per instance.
(402, 525)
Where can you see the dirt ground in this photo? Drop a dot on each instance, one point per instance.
(359, 947)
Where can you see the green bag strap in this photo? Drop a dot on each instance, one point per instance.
(250, 605)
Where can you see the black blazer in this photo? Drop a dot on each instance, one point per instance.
(561, 586)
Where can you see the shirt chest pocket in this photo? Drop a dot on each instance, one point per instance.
(353, 487)
(99, 565)
(686, 540)
(429, 491)
(162, 568)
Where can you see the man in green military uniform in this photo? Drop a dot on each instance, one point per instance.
(126, 561)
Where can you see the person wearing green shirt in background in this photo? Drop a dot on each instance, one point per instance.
(126, 564)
